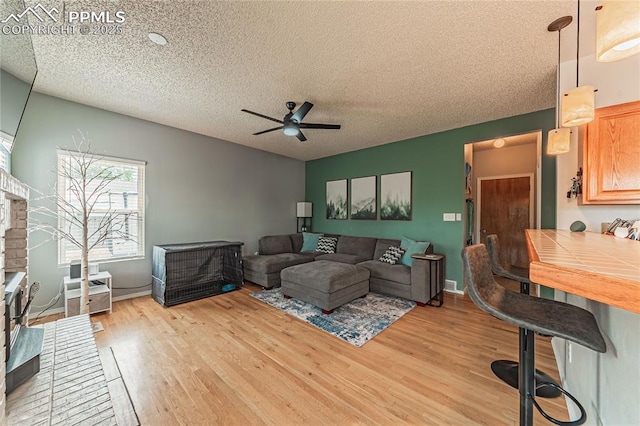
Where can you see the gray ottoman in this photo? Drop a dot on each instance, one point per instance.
(325, 284)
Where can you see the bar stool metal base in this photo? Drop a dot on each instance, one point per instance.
(507, 371)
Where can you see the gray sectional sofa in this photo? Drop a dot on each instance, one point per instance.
(278, 252)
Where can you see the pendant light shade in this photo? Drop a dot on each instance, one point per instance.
(558, 141)
(578, 106)
(617, 30)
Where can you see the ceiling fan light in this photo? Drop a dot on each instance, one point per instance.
(617, 30)
(578, 106)
(157, 38)
(291, 130)
(558, 141)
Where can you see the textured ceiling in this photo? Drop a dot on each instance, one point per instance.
(385, 71)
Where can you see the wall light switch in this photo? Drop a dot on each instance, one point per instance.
(449, 217)
(458, 217)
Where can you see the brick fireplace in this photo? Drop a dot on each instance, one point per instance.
(13, 245)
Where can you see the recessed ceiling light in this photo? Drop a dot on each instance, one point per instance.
(498, 143)
(157, 39)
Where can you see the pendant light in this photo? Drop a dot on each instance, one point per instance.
(559, 139)
(617, 30)
(578, 105)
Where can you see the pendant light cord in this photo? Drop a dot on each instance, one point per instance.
(558, 86)
(578, 48)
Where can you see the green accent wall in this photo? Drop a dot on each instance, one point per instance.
(437, 163)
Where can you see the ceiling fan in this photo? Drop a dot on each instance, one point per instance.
(291, 123)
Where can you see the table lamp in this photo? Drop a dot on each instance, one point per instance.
(304, 211)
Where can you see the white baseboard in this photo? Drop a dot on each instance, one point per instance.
(456, 291)
(48, 312)
(131, 295)
(60, 310)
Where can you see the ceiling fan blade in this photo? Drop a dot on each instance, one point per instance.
(261, 115)
(301, 137)
(319, 126)
(302, 111)
(267, 131)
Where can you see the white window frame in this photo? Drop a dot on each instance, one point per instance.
(141, 165)
(6, 145)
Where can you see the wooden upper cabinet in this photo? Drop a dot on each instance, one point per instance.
(612, 156)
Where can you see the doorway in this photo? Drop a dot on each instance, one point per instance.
(504, 186)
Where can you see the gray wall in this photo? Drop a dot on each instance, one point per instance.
(14, 93)
(197, 188)
(608, 385)
(505, 161)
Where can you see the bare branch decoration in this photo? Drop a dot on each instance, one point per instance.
(83, 182)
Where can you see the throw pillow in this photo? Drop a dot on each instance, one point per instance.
(309, 242)
(327, 245)
(392, 255)
(412, 247)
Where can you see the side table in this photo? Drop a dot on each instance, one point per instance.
(99, 294)
(436, 279)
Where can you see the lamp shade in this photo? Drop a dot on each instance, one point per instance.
(559, 141)
(617, 30)
(578, 106)
(304, 209)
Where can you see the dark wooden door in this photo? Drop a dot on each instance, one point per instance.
(504, 211)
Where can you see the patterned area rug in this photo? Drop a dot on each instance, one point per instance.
(357, 322)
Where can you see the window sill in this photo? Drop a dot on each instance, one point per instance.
(120, 259)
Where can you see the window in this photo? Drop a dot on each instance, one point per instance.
(6, 142)
(115, 206)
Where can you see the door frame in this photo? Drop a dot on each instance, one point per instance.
(532, 203)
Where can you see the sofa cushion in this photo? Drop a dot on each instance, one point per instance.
(327, 245)
(275, 244)
(382, 245)
(341, 258)
(412, 247)
(275, 262)
(309, 242)
(296, 242)
(357, 246)
(392, 255)
(398, 272)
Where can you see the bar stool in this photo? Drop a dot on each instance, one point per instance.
(505, 369)
(531, 314)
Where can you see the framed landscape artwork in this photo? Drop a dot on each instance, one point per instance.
(337, 199)
(363, 198)
(395, 196)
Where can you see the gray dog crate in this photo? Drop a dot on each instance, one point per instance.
(185, 272)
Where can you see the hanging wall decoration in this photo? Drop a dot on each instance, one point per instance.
(395, 196)
(363, 198)
(337, 199)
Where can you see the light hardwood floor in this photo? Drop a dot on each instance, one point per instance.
(231, 359)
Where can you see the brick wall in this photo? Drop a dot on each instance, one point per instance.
(14, 254)
(15, 244)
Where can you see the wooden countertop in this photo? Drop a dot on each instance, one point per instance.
(600, 267)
